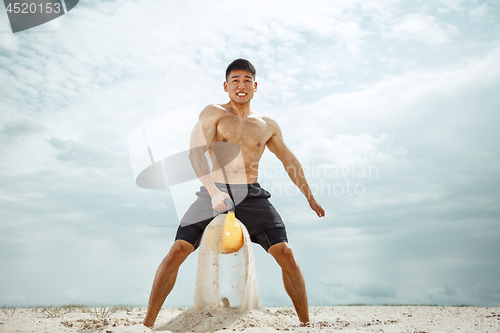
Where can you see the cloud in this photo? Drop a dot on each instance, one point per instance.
(8, 42)
(20, 128)
(423, 28)
(480, 12)
(316, 17)
(357, 290)
(73, 295)
(468, 295)
(450, 5)
(397, 98)
(80, 154)
(346, 150)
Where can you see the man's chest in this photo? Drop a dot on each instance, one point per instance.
(244, 132)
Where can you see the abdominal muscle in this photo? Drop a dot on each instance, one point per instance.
(238, 171)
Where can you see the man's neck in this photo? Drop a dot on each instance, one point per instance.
(242, 110)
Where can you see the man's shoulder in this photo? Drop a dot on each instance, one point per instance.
(212, 112)
(214, 108)
(271, 122)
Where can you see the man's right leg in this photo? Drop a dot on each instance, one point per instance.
(165, 278)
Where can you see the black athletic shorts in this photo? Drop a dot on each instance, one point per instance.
(253, 209)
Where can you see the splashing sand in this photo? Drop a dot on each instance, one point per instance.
(226, 293)
(239, 268)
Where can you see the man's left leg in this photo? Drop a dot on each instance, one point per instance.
(293, 279)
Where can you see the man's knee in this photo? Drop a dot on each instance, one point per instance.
(283, 253)
(180, 250)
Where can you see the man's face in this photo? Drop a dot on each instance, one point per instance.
(240, 86)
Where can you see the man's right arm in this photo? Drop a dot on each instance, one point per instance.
(202, 136)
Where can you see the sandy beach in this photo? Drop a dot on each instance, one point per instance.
(267, 319)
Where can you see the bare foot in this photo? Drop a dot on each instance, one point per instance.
(150, 327)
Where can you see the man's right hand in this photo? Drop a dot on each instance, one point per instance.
(218, 201)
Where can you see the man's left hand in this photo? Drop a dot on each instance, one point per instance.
(317, 207)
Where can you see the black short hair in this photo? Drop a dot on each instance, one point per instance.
(240, 64)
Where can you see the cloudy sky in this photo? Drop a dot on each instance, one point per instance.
(391, 106)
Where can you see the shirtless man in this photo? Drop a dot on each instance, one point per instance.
(235, 122)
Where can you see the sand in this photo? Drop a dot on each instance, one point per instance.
(271, 319)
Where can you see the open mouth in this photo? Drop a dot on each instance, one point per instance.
(241, 94)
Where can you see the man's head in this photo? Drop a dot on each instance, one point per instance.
(240, 64)
(240, 81)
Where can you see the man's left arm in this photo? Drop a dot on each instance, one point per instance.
(277, 146)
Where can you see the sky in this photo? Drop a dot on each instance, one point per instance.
(391, 107)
